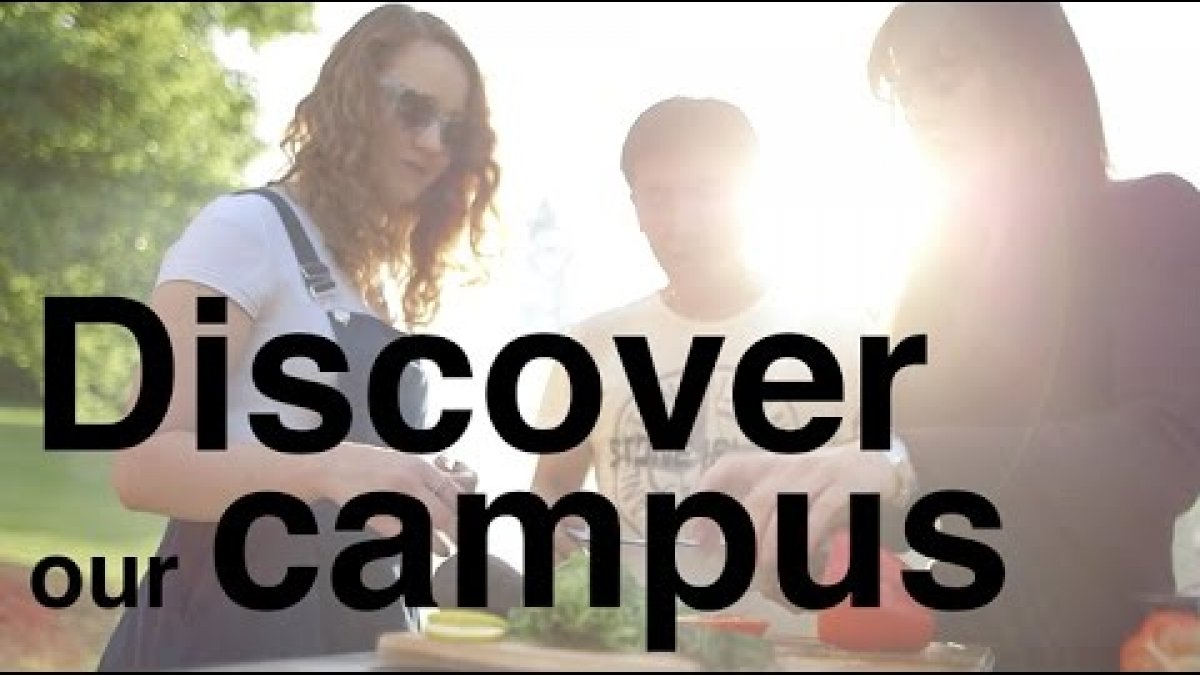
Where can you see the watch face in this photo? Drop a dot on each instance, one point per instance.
(897, 453)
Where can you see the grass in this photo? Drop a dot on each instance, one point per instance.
(58, 503)
(61, 503)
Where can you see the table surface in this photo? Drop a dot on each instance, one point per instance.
(354, 662)
(964, 659)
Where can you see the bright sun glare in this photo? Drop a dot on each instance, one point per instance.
(837, 210)
(843, 203)
(840, 196)
(851, 242)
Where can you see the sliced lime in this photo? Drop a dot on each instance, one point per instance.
(464, 633)
(465, 625)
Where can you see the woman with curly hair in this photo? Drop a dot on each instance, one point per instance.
(391, 167)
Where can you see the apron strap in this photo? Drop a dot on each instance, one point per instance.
(342, 629)
(316, 275)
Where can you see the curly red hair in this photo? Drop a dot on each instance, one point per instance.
(329, 142)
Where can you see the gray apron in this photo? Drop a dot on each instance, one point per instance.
(198, 624)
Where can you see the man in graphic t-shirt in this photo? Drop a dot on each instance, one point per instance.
(686, 162)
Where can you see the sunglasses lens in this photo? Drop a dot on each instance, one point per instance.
(416, 110)
(454, 133)
(419, 111)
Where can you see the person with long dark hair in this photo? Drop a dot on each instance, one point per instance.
(1058, 304)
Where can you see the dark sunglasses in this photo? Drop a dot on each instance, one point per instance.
(418, 111)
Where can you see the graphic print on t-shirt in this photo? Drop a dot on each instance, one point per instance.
(638, 469)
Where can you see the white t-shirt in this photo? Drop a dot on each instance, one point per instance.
(238, 245)
(625, 466)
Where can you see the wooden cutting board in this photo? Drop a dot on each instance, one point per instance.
(417, 650)
(806, 654)
(414, 650)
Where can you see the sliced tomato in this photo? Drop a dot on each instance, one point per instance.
(1165, 635)
(728, 622)
(898, 624)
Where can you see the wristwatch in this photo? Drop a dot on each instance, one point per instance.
(906, 478)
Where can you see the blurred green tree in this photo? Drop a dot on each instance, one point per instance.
(117, 121)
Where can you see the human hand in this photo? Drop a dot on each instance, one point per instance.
(565, 544)
(827, 475)
(459, 472)
(352, 469)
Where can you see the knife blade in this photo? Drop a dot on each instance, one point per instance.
(583, 536)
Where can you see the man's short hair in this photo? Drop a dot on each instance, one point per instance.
(683, 122)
